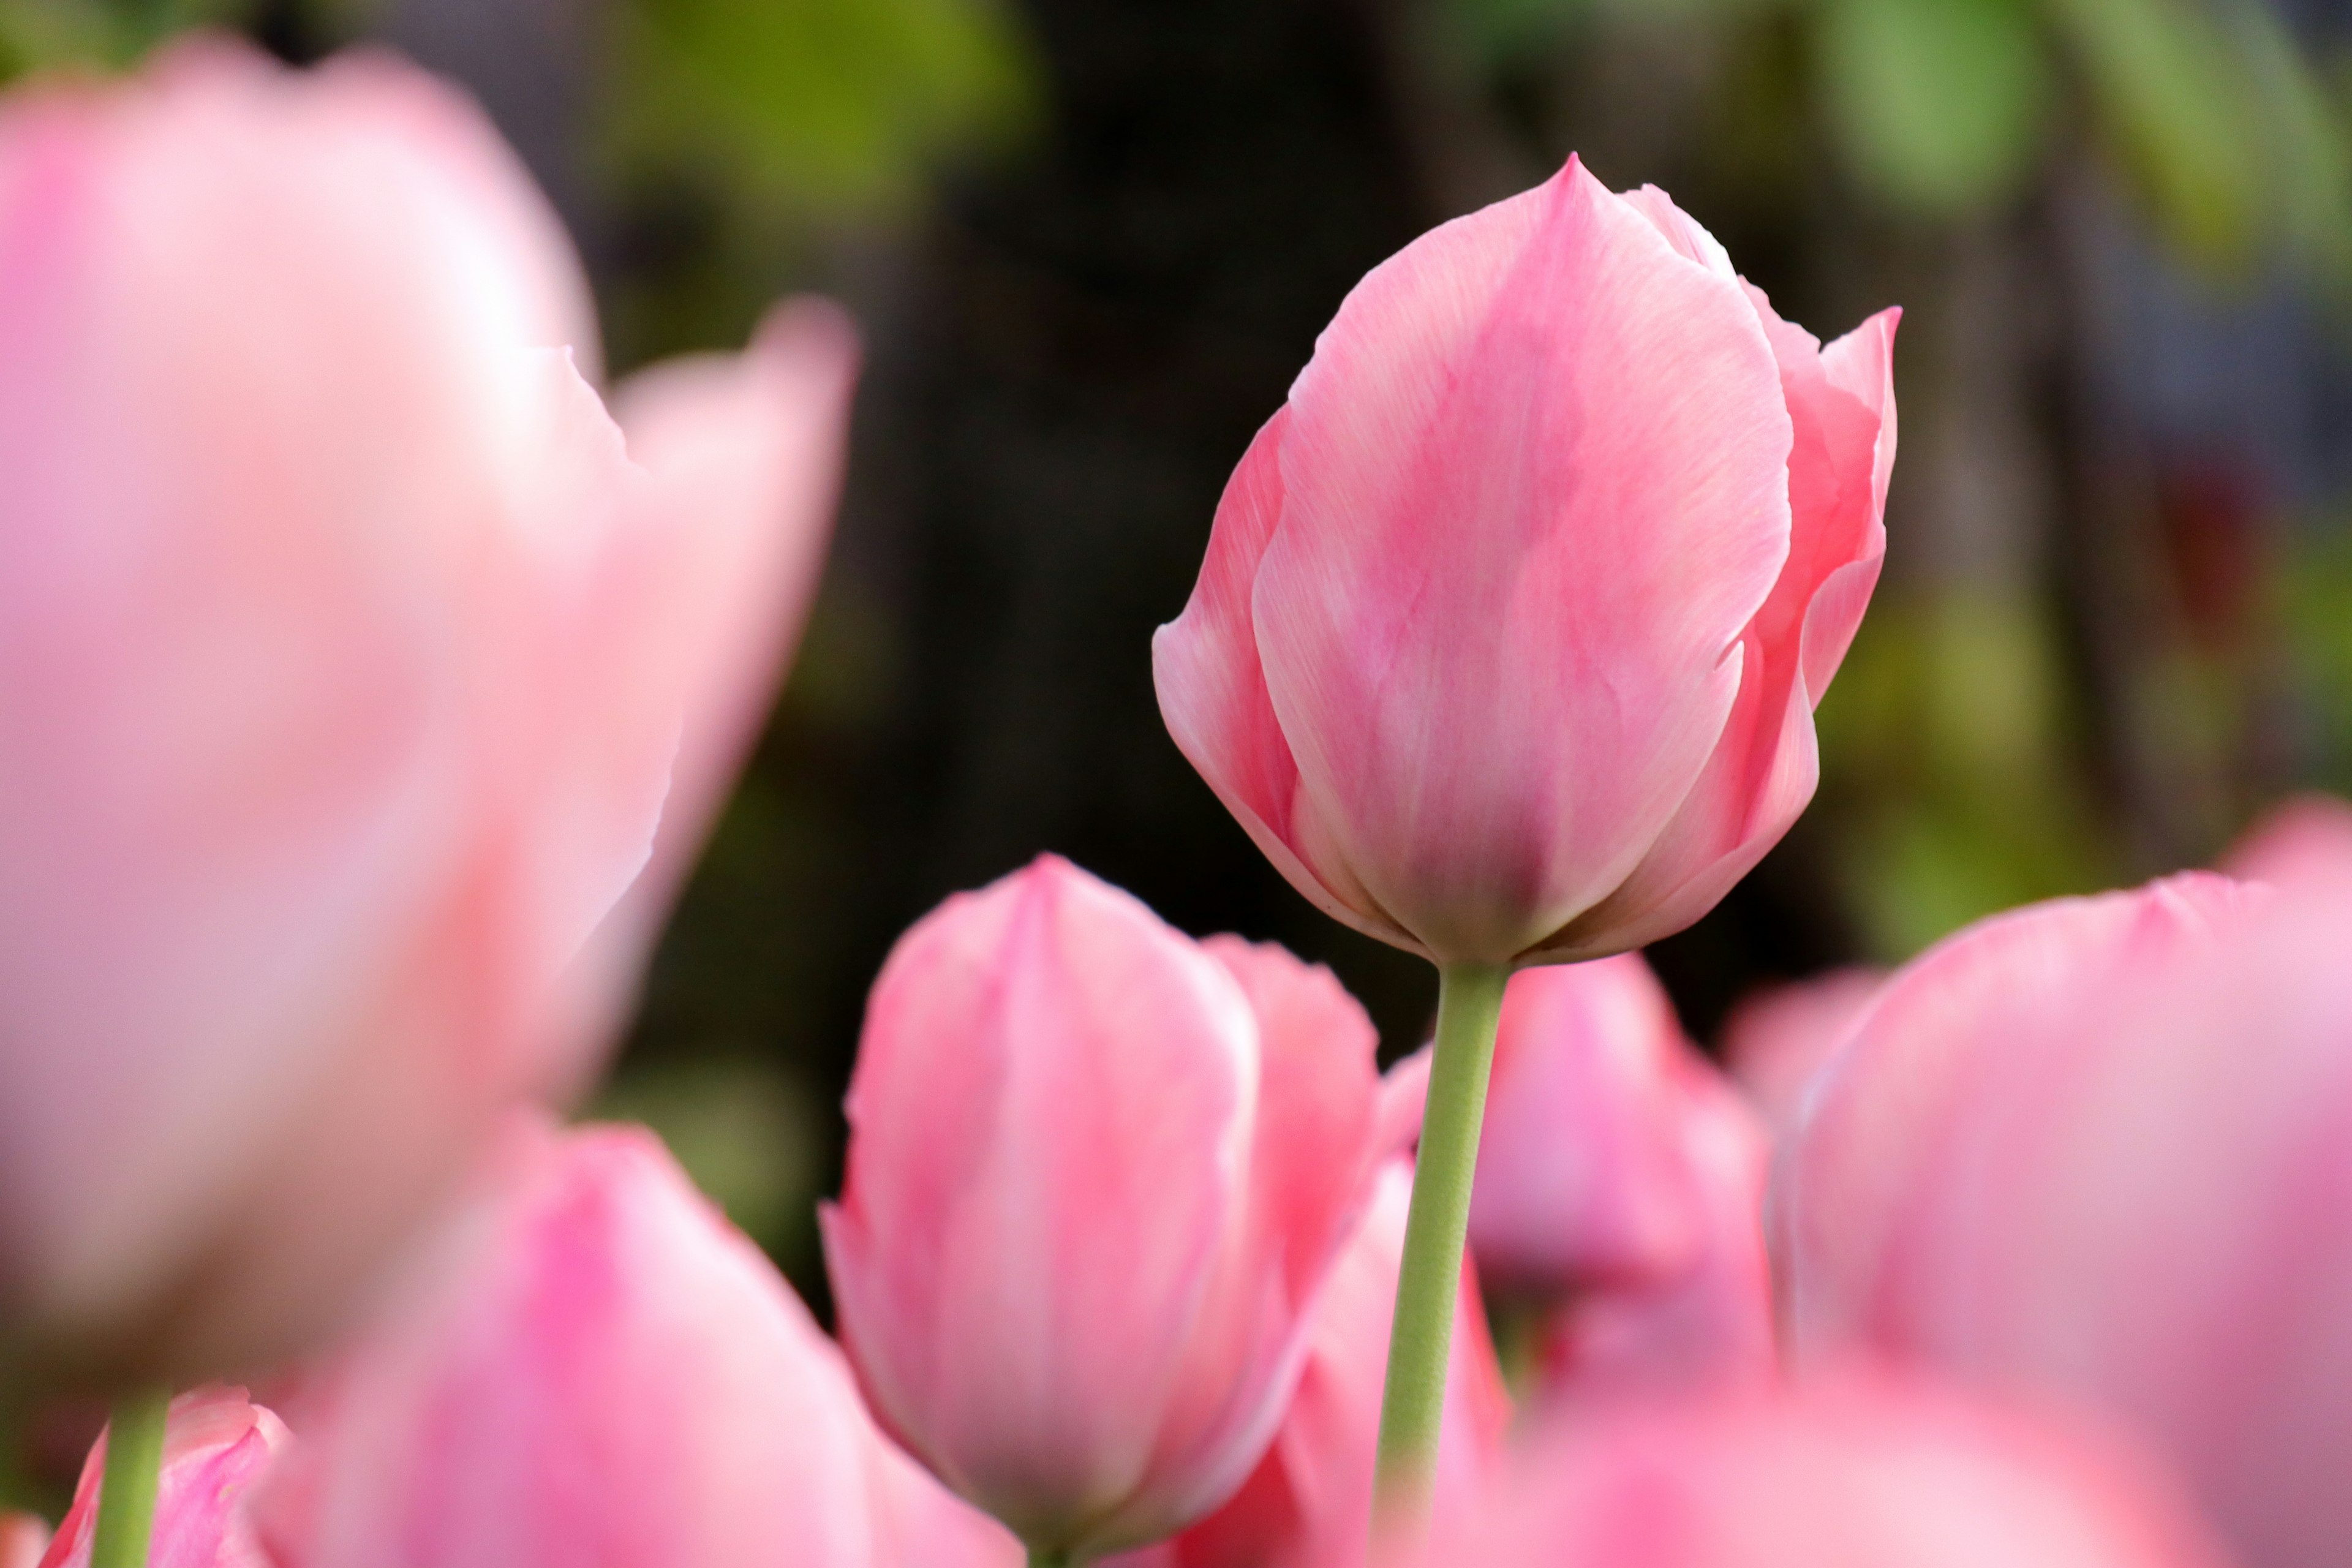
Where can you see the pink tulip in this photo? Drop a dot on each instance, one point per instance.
(1887, 1112)
(2136, 1193)
(1856, 1474)
(217, 1448)
(1707, 1323)
(345, 647)
(1309, 1504)
(2299, 831)
(1096, 1174)
(601, 1371)
(1514, 616)
(1777, 1039)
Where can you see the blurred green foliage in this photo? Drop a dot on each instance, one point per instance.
(2235, 140)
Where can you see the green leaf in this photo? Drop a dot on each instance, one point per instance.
(1939, 103)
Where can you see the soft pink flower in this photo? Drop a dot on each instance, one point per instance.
(1514, 616)
(602, 1371)
(217, 1446)
(345, 647)
(2123, 1175)
(23, 1538)
(1620, 1188)
(2291, 835)
(1309, 1504)
(1097, 1173)
(1777, 1038)
(1709, 1321)
(1881, 1124)
(1852, 1474)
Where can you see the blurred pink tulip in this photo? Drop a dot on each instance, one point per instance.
(1777, 1038)
(601, 1371)
(1097, 1173)
(2133, 1191)
(24, 1539)
(1309, 1504)
(2298, 832)
(217, 1448)
(1620, 1188)
(1514, 616)
(346, 645)
(1856, 1474)
(1882, 1124)
(1707, 1323)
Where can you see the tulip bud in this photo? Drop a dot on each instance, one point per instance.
(345, 647)
(2103, 1151)
(1096, 1174)
(217, 1448)
(1513, 618)
(1309, 1504)
(602, 1371)
(1861, 1472)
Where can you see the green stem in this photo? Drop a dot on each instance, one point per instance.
(1041, 1559)
(126, 1495)
(1469, 1006)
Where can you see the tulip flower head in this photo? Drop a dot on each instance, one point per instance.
(1097, 1172)
(1777, 1039)
(601, 1371)
(218, 1448)
(347, 646)
(1514, 616)
(2129, 1194)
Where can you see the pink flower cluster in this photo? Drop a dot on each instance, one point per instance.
(365, 686)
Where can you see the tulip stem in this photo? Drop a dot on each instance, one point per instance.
(1469, 1006)
(126, 1493)
(1038, 1559)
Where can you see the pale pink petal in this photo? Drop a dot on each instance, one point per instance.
(23, 1538)
(2304, 833)
(1494, 731)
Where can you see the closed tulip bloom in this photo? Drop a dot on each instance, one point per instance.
(218, 1448)
(1513, 618)
(1309, 1504)
(1858, 1473)
(2135, 1197)
(346, 647)
(1583, 1178)
(599, 1370)
(1777, 1038)
(1706, 1323)
(1883, 1124)
(1097, 1172)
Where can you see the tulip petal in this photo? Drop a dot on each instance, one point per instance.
(1495, 723)
(1212, 695)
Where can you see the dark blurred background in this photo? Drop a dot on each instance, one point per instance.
(1090, 241)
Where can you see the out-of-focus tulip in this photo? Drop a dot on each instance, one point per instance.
(1580, 1173)
(1097, 1173)
(1620, 1188)
(1856, 1474)
(602, 1371)
(1309, 1504)
(1882, 1123)
(217, 1448)
(2137, 1194)
(345, 647)
(1514, 616)
(1707, 1323)
(1775, 1040)
(23, 1538)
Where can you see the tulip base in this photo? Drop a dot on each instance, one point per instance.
(126, 1494)
(1420, 1338)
